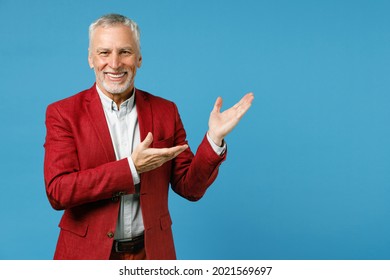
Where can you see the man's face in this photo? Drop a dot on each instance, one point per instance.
(115, 57)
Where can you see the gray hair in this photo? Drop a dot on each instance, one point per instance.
(114, 19)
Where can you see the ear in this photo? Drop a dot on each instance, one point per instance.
(90, 60)
(139, 63)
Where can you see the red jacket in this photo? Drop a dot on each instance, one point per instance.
(83, 177)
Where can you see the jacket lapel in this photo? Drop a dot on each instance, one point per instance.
(144, 111)
(98, 121)
(145, 121)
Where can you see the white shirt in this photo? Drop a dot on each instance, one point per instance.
(124, 130)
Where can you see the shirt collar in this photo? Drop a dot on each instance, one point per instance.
(109, 104)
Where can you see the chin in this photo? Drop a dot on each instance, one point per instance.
(117, 89)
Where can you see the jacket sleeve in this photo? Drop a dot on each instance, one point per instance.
(67, 184)
(193, 174)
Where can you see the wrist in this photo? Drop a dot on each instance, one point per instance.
(217, 140)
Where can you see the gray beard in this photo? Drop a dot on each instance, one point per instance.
(117, 89)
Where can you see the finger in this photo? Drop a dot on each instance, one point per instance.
(147, 141)
(246, 101)
(156, 157)
(243, 105)
(175, 151)
(218, 105)
(181, 149)
(242, 110)
(247, 98)
(170, 153)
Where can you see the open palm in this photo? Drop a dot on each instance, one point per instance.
(222, 123)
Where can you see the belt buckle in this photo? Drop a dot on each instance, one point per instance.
(117, 247)
(136, 242)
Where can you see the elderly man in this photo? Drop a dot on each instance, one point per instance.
(112, 151)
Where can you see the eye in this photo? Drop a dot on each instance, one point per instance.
(126, 52)
(103, 53)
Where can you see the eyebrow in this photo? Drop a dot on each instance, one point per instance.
(102, 49)
(127, 49)
(120, 49)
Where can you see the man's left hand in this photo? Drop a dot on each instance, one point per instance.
(222, 123)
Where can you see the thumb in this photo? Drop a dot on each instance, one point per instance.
(148, 140)
(218, 105)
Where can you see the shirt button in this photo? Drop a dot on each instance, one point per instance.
(110, 234)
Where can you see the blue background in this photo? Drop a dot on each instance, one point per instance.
(307, 174)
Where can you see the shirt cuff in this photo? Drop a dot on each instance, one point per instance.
(217, 149)
(134, 173)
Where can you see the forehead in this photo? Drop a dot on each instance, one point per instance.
(113, 36)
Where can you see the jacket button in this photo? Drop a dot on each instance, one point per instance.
(110, 234)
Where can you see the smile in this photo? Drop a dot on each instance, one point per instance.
(116, 75)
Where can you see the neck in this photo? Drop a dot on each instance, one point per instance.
(120, 97)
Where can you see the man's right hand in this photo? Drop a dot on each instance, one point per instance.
(146, 159)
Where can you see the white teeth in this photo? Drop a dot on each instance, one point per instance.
(116, 75)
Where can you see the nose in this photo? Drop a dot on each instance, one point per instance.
(114, 61)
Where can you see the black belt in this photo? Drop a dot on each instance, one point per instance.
(130, 246)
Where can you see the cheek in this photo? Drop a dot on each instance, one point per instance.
(132, 64)
(98, 64)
